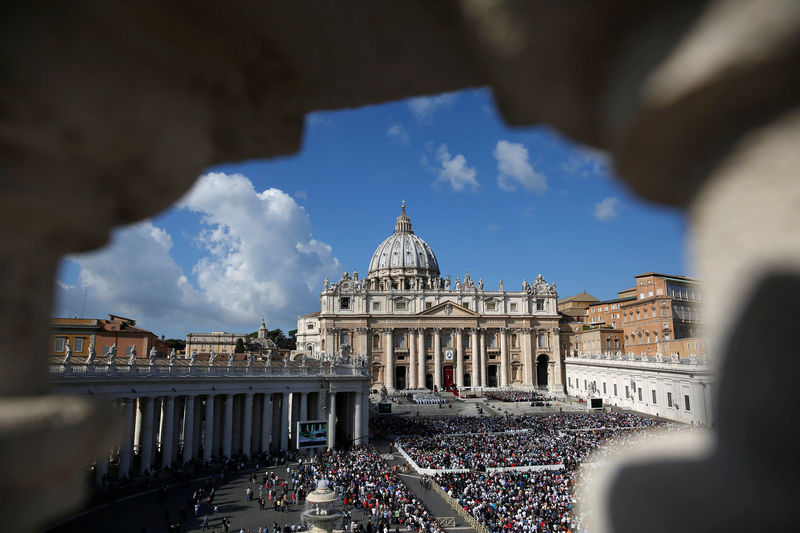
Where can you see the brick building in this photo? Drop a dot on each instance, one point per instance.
(103, 333)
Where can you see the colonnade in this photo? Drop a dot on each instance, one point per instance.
(511, 363)
(173, 429)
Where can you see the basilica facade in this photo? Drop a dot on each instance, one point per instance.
(419, 330)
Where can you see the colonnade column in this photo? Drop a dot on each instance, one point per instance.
(484, 363)
(475, 358)
(503, 358)
(363, 341)
(528, 357)
(266, 423)
(331, 420)
(167, 433)
(357, 414)
(412, 359)
(227, 424)
(284, 421)
(388, 353)
(437, 358)
(303, 407)
(126, 448)
(146, 447)
(188, 429)
(459, 357)
(555, 350)
(208, 440)
(247, 424)
(421, 357)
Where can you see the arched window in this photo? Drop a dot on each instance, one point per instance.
(542, 340)
(376, 341)
(514, 340)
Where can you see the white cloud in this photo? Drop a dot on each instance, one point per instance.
(454, 171)
(397, 133)
(259, 258)
(423, 108)
(586, 163)
(318, 121)
(514, 168)
(607, 209)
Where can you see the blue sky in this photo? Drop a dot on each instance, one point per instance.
(258, 237)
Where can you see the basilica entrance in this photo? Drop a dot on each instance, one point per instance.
(448, 377)
(400, 378)
(541, 371)
(429, 381)
(491, 376)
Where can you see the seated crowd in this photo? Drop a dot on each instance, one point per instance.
(425, 398)
(516, 396)
(366, 482)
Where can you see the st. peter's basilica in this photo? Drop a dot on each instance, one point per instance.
(419, 330)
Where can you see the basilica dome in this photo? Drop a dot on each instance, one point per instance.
(403, 254)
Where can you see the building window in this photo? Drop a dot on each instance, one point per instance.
(466, 341)
(669, 399)
(491, 306)
(400, 306)
(615, 389)
(513, 307)
(540, 305)
(376, 341)
(542, 340)
(569, 382)
(514, 341)
(447, 340)
(654, 396)
(344, 303)
(428, 305)
(428, 342)
(640, 395)
(376, 306)
(345, 339)
(491, 340)
(79, 341)
(584, 385)
(604, 387)
(400, 341)
(310, 326)
(60, 344)
(686, 402)
(627, 392)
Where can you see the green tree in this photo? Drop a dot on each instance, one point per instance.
(239, 345)
(176, 344)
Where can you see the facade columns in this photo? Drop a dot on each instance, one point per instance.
(331, 420)
(188, 429)
(146, 447)
(167, 437)
(484, 364)
(208, 441)
(503, 358)
(126, 448)
(227, 424)
(421, 357)
(412, 359)
(555, 350)
(266, 423)
(388, 353)
(303, 407)
(363, 341)
(358, 414)
(475, 381)
(528, 357)
(437, 358)
(247, 424)
(459, 357)
(285, 421)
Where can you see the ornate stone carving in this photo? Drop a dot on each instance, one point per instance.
(132, 356)
(153, 355)
(212, 358)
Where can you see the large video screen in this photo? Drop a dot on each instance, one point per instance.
(312, 434)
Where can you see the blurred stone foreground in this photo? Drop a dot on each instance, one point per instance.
(110, 110)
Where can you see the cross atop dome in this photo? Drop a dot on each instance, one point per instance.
(403, 224)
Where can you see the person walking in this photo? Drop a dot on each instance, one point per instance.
(205, 521)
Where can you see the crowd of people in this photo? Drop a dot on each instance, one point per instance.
(425, 398)
(516, 396)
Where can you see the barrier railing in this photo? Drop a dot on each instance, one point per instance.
(468, 518)
(124, 370)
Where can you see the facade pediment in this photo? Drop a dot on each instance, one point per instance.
(449, 309)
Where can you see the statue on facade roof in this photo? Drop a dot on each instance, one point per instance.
(92, 354)
(458, 284)
(500, 285)
(480, 284)
(524, 285)
(172, 357)
(153, 355)
(212, 357)
(231, 357)
(112, 354)
(326, 284)
(67, 352)
(193, 357)
(250, 359)
(447, 282)
(132, 356)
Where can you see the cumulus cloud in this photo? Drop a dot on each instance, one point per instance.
(515, 169)
(424, 107)
(258, 258)
(397, 133)
(454, 171)
(586, 163)
(607, 209)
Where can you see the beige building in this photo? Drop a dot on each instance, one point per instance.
(419, 330)
(221, 342)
